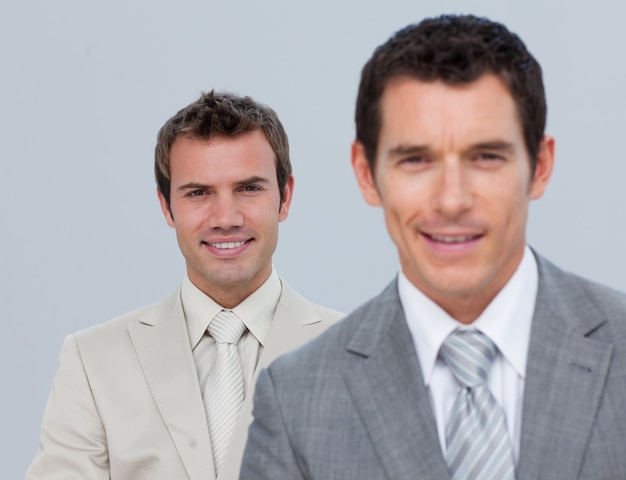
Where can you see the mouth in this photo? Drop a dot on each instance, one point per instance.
(225, 248)
(225, 245)
(451, 239)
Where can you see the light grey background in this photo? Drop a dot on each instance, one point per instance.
(85, 86)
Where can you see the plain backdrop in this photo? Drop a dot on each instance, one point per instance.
(85, 86)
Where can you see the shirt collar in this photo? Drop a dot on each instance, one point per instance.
(256, 311)
(506, 320)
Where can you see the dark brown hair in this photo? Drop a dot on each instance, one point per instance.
(220, 114)
(456, 50)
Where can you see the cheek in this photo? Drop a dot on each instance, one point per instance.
(401, 226)
(408, 204)
(264, 215)
(188, 221)
(403, 204)
(405, 191)
(511, 210)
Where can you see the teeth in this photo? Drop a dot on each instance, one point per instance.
(446, 239)
(227, 244)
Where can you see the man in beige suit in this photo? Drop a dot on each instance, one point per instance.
(132, 397)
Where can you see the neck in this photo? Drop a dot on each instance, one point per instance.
(465, 309)
(229, 295)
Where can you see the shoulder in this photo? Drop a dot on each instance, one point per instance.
(328, 314)
(299, 307)
(328, 350)
(563, 291)
(116, 330)
(564, 285)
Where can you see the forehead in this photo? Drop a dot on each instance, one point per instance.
(482, 108)
(221, 154)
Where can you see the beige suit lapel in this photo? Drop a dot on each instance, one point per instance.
(296, 321)
(162, 346)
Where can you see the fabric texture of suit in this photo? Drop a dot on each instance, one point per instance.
(126, 404)
(352, 404)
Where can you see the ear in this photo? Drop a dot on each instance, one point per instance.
(364, 175)
(283, 213)
(543, 168)
(165, 208)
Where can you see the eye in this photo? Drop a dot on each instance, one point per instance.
(489, 159)
(414, 159)
(489, 156)
(250, 188)
(195, 193)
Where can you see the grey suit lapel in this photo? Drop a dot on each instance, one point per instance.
(565, 376)
(162, 346)
(386, 386)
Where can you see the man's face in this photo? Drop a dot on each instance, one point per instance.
(453, 177)
(225, 207)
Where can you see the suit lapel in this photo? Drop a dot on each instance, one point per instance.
(295, 322)
(386, 385)
(162, 346)
(565, 376)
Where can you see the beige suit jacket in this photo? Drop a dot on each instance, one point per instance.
(125, 403)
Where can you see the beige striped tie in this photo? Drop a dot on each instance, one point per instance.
(223, 393)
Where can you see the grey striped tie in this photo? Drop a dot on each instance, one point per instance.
(476, 435)
(223, 393)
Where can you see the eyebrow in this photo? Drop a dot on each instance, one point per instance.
(241, 183)
(497, 145)
(402, 150)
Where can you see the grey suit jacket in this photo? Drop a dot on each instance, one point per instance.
(126, 404)
(352, 404)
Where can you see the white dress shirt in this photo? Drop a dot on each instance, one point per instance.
(506, 321)
(256, 312)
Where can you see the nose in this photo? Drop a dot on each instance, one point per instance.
(225, 212)
(453, 195)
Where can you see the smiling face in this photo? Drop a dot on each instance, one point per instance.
(453, 177)
(225, 207)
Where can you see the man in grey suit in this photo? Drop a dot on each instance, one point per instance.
(481, 360)
(161, 393)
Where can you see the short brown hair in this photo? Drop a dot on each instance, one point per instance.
(221, 114)
(456, 50)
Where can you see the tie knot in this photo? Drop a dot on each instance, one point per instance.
(226, 327)
(468, 353)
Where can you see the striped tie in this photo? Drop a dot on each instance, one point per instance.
(223, 393)
(476, 435)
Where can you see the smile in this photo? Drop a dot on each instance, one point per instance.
(225, 245)
(453, 238)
